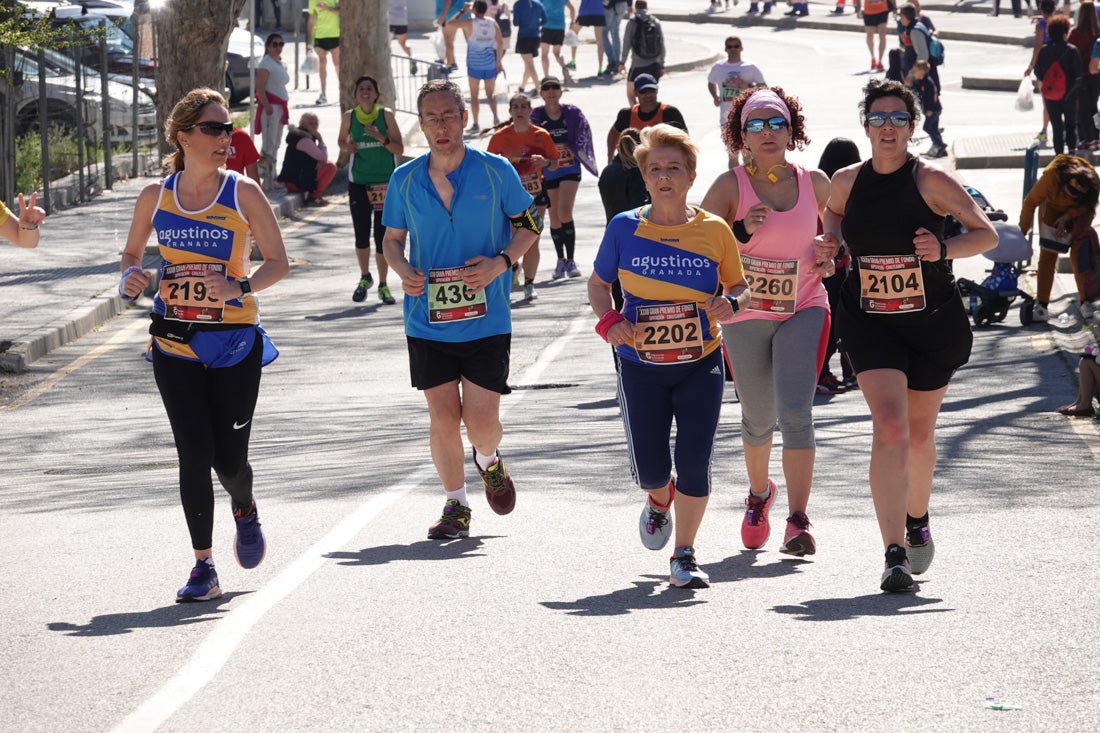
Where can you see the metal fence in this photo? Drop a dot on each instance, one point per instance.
(409, 75)
(69, 113)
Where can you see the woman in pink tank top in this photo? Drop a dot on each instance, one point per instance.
(775, 344)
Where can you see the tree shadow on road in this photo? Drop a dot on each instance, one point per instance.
(423, 550)
(643, 595)
(847, 609)
(178, 614)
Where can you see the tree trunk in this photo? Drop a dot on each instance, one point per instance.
(365, 48)
(191, 37)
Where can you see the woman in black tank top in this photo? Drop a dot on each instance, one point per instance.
(900, 318)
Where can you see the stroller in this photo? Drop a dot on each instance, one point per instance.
(990, 300)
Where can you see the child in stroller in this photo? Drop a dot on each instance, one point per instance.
(990, 300)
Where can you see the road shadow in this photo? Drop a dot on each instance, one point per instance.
(742, 566)
(178, 614)
(353, 312)
(847, 609)
(423, 550)
(644, 595)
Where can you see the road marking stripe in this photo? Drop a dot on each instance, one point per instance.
(49, 382)
(220, 644)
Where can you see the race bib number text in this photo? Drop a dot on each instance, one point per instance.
(184, 293)
(449, 300)
(891, 284)
(669, 333)
(773, 284)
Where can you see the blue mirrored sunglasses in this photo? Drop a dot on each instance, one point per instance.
(773, 123)
(897, 119)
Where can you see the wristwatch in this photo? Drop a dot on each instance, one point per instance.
(246, 287)
(733, 302)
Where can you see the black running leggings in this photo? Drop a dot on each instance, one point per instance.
(211, 415)
(362, 216)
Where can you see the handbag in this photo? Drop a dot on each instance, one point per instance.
(1053, 240)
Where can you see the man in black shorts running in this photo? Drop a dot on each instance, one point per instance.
(468, 218)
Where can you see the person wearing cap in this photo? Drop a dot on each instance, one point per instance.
(641, 60)
(572, 136)
(645, 113)
(773, 206)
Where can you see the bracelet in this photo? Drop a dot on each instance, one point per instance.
(507, 259)
(741, 232)
(28, 229)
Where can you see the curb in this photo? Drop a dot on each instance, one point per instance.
(100, 309)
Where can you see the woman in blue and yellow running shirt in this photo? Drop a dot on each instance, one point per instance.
(208, 346)
(369, 133)
(674, 261)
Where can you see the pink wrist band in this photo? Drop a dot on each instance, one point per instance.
(607, 320)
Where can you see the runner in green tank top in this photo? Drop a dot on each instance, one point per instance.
(369, 133)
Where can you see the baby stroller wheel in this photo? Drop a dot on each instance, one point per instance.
(983, 316)
(1027, 312)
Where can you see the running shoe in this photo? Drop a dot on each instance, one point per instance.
(361, 289)
(828, 385)
(322, 100)
(655, 525)
(516, 284)
(202, 585)
(385, 295)
(559, 270)
(454, 523)
(1040, 313)
(529, 293)
(250, 546)
(920, 547)
(754, 527)
(1042, 136)
(474, 129)
(499, 489)
(572, 65)
(851, 383)
(684, 572)
(897, 576)
(797, 540)
(571, 269)
(1088, 310)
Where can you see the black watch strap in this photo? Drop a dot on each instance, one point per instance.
(246, 286)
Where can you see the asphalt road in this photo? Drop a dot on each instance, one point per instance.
(552, 618)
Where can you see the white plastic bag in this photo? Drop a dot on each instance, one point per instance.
(1025, 95)
(309, 65)
(440, 46)
(571, 39)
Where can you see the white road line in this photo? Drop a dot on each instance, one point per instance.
(49, 382)
(220, 644)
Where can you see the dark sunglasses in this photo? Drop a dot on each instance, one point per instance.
(897, 119)
(213, 129)
(277, 43)
(732, 47)
(551, 87)
(773, 123)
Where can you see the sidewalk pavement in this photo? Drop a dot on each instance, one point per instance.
(55, 294)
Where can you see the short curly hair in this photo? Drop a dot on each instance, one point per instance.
(732, 130)
(876, 89)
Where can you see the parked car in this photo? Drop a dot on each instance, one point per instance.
(239, 62)
(62, 100)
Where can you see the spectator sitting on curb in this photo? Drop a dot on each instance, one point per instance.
(1088, 386)
(306, 167)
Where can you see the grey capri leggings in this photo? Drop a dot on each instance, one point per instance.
(775, 370)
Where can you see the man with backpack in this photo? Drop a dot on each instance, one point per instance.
(645, 39)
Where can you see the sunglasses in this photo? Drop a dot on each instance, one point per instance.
(280, 44)
(897, 119)
(732, 48)
(551, 88)
(213, 129)
(774, 124)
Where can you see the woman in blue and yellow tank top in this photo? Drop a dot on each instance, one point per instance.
(673, 261)
(369, 133)
(208, 346)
